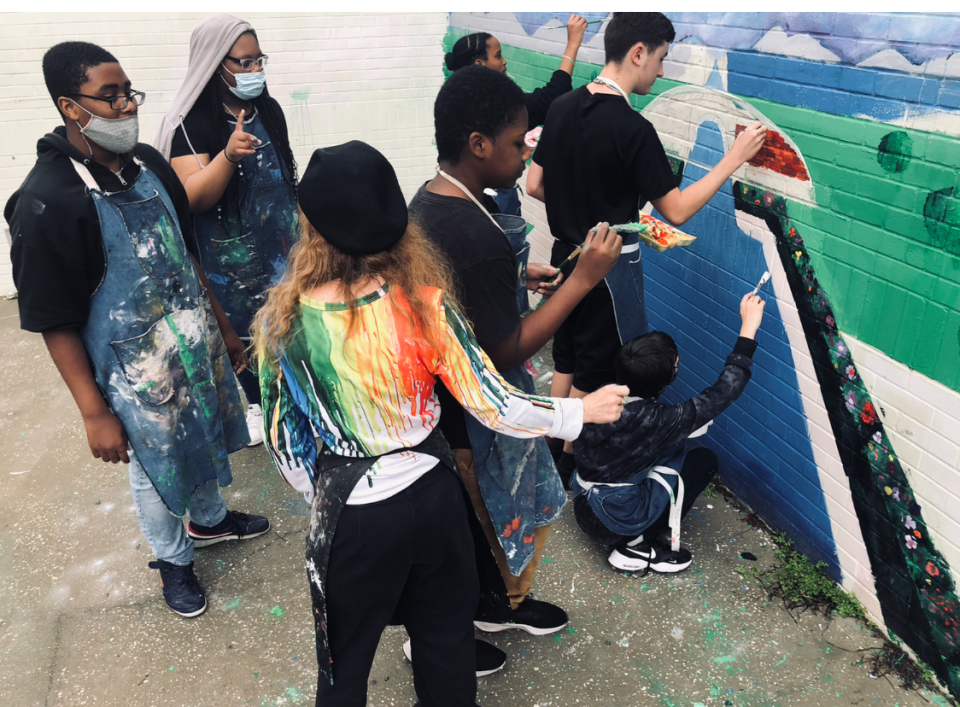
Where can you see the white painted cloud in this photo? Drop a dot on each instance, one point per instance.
(801, 46)
(945, 66)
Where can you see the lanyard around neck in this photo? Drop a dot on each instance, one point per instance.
(466, 191)
(610, 83)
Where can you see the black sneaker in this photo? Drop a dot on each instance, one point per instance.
(655, 556)
(181, 589)
(235, 526)
(566, 467)
(490, 659)
(536, 617)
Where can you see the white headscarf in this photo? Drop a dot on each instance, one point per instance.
(209, 43)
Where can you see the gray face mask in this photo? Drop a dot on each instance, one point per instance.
(118, 135)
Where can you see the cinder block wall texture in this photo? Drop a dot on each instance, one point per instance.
(847, 437)
(338, 77)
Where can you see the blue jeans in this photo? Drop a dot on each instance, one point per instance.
(164, 531)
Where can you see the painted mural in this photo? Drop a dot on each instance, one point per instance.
(848, 438)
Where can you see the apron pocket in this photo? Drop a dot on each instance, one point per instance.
(155, 237)
(153, 363)
(239, 258)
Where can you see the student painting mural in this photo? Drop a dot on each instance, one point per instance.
(848, 436)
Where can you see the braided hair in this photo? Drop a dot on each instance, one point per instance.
(467, 50)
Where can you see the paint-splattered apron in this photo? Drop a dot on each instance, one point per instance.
(244, 240)
(156, 350)
(518, 479)
(625, 282)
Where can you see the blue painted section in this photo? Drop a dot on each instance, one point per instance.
(879, 94)
(715, 80)
(694, 295)
(853, 36)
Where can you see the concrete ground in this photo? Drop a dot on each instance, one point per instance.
(83, 622)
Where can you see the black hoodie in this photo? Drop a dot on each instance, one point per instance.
(57, 251)
(614, 452)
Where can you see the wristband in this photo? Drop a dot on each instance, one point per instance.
(571, 60)
(228, 157)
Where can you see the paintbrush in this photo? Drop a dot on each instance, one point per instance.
(561, 266)
(589, 22)
(763, 281)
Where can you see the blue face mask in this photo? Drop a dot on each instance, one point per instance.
(249, 86)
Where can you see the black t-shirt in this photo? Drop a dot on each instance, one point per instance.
(57, 250)
(485, 270)
(601, 161)
(201, 129)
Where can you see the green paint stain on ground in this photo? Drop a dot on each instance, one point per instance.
(231, 605)
(546, 560)
(170, 669)
(782, 661)
(277, 611)
(725, 659)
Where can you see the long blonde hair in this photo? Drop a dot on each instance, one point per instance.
(411, 265)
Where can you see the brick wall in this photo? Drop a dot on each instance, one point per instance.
(338, 77)
(847, 437)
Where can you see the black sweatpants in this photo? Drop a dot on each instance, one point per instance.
(699, 466)
(409, 556)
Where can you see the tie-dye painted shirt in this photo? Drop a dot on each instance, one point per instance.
(369, 392)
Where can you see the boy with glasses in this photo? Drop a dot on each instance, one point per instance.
(103, 258)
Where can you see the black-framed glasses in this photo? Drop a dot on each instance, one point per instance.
(248, 64)
(118, 102)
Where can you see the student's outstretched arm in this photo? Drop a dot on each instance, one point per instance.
(105, 433)
(600, 253)
(471, 378)
(681, 420)
(678, 207)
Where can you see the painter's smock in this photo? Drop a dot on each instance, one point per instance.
(156, 350)
(244, 240)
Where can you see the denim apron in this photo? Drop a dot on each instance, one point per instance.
(244, 243)
(629, 508)
(508, 200)
(625, 282)
(517, 477)
(157, 353)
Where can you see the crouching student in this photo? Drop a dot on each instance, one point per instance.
(481, 119)
(103, 257)
(353, 339)
(634, 479)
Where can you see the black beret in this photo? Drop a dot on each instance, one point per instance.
(350, 195)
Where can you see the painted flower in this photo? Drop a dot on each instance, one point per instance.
(851, 372)
(533, 137)
(932, 570)
(852, 400)
(911, 542)
(767, 199)
(793, 231)
(869, 414)
(888, 490)
(910, 522)
(830, 320)
(842, 349)
(896, 493)
(877, 437)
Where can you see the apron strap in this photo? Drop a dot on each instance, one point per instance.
(676, 501)
(85, 175)
(456, 183)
